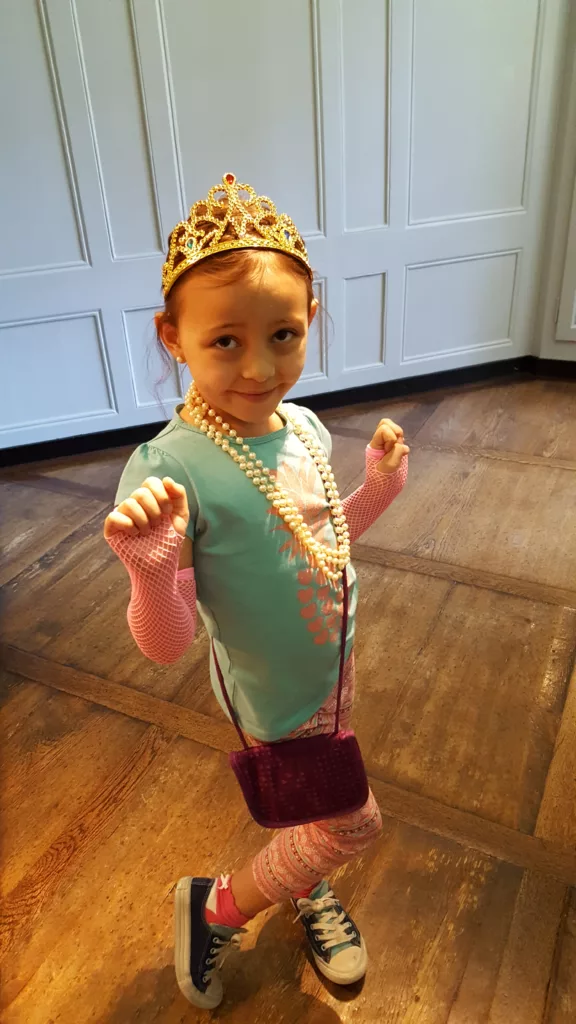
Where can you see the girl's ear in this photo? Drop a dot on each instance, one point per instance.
(313, 311)
(168, 334)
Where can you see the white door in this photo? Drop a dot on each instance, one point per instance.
(410, 140)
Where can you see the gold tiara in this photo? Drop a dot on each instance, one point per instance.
(231, 217)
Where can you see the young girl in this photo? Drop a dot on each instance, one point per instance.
(233, 509)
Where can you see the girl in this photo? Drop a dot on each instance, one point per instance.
(233, 509)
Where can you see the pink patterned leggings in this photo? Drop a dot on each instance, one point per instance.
(298, 858)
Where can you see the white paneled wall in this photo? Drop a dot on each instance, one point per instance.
(365, 303)
(117, 119)
(470, 107)
(470, 301)
(409, 139)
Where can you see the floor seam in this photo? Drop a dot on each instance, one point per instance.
(508, 845)
(519, 458)
(512, 586)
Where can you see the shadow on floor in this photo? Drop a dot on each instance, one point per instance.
(262, 983)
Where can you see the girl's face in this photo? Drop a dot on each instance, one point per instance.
(244, 340)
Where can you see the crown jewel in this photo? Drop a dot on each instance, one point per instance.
(232, 216)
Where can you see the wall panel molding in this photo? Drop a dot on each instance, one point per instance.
(153, 386)
(531, 103)
(169, 80)
(369, 304)
(70, 416)
(72, 181)
(371, 93)
(146, 121)
(140, 98)
(318, 122)
(490, 303)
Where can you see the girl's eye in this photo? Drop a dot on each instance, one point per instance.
(285, 335)
(226, 344)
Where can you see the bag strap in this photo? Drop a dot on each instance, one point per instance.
(227, 698)
(343, 635)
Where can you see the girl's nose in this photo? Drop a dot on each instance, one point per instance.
(258, 366)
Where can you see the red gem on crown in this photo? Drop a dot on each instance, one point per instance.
(230, 179)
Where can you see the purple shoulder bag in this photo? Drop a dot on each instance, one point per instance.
(294, 782)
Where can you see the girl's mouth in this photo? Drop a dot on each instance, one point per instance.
(255, 396)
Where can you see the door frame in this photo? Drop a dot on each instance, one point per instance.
(562, 188)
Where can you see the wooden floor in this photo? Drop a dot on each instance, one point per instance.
(114, 772)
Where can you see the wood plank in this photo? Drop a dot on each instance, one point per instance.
(527, 964)
(477, 986)
(541, 925)
(62, 737)
(71, 605)
(17, 702)
(85, 634)
(33, 523)
(58, 486)
(426, 908)
(561, 1007)
(498, 517)
(218, 735)
(435, 919)
(467, 829)
(556, 821)
(92, 471)
(343, 430)
(555, 827)
(541, 592)
(361, 420)
(24, 904)
(468, 697)
(113, 871)
(521, 990)
(535, 417)
(556, 824)
(500, 456)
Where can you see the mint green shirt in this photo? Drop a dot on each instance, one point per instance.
(272, 616)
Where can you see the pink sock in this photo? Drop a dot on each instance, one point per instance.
(306, 893)
(221, 907)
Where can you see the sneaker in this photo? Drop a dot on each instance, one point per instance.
(337, 946)
(199, 948)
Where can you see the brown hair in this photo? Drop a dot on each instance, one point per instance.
(233, 265)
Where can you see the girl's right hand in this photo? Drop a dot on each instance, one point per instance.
(138, 514)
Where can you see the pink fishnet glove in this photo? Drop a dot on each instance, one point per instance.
(368, 502)
(162, 609)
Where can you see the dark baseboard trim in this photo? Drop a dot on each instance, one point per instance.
(413, 386)
(554, 369)
(507, 369)
(410, 386)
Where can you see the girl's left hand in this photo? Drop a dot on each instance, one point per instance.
(389, 438)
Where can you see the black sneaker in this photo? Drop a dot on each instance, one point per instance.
(337, 946)
(199, 948)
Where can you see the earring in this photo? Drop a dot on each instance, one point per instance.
(179, 359)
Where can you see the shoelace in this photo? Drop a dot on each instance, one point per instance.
(222, 949)
(332, 929)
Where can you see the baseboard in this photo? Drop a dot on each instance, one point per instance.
(555, 369)
(411, 386)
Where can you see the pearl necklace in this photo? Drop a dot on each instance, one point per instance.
(331, 561)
